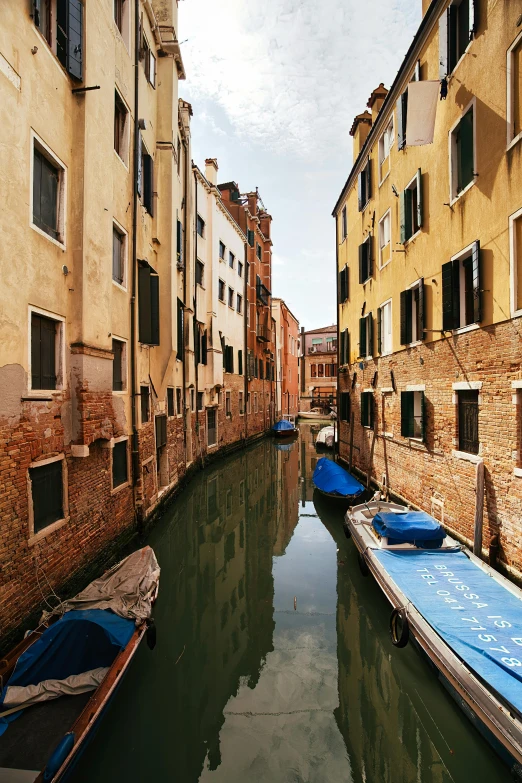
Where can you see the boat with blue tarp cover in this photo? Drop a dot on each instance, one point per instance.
(285, 427)
(464, 616)
(335, 482)
(58, 681)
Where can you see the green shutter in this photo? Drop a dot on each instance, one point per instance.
(369, 256)
(465, 166)
(139, 178)
(370, 410)
(368, 172)
(419, 198)
(154, 310)
(402, 216)
(144, 301)
(379, 330)
(360, 190)
(364, 408)
(370, 349)
(443, 45)
(423, 417)
(407, 414)
(362, 336)
(447, 297)
(361, 263)
(406, 319)
(422, 310)
(477, 291)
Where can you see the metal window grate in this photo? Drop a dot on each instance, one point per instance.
(468, 421)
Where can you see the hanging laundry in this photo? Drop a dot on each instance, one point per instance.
(421, 112)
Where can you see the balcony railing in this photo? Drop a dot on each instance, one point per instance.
(263, 333)
(262, 292)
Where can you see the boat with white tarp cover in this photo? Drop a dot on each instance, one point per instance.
(57, 682)
(463, 615)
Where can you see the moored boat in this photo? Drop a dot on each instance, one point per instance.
(58, 681)
(326, 437)
(465, 617)
(285, 427)
(315, 413)
(335, 482)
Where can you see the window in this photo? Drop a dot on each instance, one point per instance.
(514, 90)
(343, 285)
(120, 470)
(241, 398)
(258, 251)
(47, 494)
(201, 400)
(170, 402)
(344, 407)
(178, 164)
(261, 370)
(364, 185)
(149, 63)
(48, 196)
(320, 370)
(413, 415)
(118, 13)
(200, 226)
(313, 370)
(385, 252)
(384, 328)
(179, 245)
(231, 297)
(228, 406)
(366, 336)
(239, 303)
(456, 29)
(192, 401)
(462, 155)
(46, 343)
(179, 402)
(200, 269)
(410, 208)
(248, 403)
(515, 259)
(121, 127)
(180, 336)
(367, 403)
(468, 409)
(461, 289)
(365, 260)
(221, 291)
(240, 268)
(228, 357)
(148, 304)
(250, 237)
(221, 251)
(201, 344)
(344, 352)
(240, 362)
(146, 182)
(118, 255)
(61, 24)
(118, 365)
(255, 402)
(231, 259)
(385, 145)
(144, 404)
(402, 111)
(344, 224)
(211, 427)
(162, 463)
(413, 313)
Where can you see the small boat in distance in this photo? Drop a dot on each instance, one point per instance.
(315, 413)
(285, 427)
(58, 681)
(325, 437)
(464, 616)
(335, 482)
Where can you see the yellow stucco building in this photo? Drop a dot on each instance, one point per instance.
(429, 246)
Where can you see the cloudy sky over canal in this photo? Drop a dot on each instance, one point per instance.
(275, 87)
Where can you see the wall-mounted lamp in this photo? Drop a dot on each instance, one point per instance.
(142, 124)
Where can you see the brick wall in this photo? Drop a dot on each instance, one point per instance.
(416, 470)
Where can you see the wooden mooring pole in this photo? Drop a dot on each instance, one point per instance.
(352, 424)
(369, 476)
(479, 509)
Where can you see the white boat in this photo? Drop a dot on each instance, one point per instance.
(464, 616)
(315, 413)
(325, 437)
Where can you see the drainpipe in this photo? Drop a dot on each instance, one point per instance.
(195, 326)
(245, 337)
(135, 451)
(185, 232)
(276, 370)
(337, 443)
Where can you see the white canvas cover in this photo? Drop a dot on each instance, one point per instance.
(422, 110)
(51, 689)
(127, 589)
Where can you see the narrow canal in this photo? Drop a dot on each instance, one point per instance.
(273, 661)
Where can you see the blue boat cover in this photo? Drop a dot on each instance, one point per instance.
(281, 426)
(79, 641)
(475, 615)
(411, 527)
(332, 478)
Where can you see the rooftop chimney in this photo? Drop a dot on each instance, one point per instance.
(211, 170)
(360, 129)
(376, 100)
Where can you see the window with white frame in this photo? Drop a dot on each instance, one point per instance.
(211, 427)
(228, 404)
(231, 260)
(119, 365)
(47, 345)
(413, 415)
(514, 90)
(231, 297)
(366, 336)
(120, 462)
(462, 154)
(384, 328)
(239, 303)
(413, 313)
(462, 289)
(48, 192)
(48, 493)
(385, 145)
(515, 261)
(411, 207)
(385, 239)
(255, 402)
(121, 127)
(119, 254)
(221, 290)
(456, 29)
(149, 63)
(222, 250)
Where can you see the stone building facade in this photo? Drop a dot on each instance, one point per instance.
(429, 245)
(286, 344)
(318, 368)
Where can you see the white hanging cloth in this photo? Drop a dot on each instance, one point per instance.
(423, 98)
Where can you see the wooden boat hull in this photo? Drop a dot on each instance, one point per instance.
(284, 433)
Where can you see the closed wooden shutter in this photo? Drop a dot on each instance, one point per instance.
(477, 290)
(362, 336)
(180, 342)
(239, 362)
(148, 184)
(448, 322)
(204, 347)
(360, 179)
(154, 310)
(369, 256)
(161, 431)
(43, 352)
(370, 349)
(407, 423)
(379, 330)
(422, 310)
(75, 39)
(179, 246)
(419, 198)
(347, 347)
(402, 106)
(423, 416)
(144, 312)
(361, 263)
(402, 216)
(443, 45)
(139, 178)
(47, 494)
(368, 172)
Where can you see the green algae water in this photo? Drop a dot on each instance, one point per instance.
(273, 662)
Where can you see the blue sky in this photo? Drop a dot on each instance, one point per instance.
(275, 86)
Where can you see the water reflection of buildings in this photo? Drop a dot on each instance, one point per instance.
(308, 456)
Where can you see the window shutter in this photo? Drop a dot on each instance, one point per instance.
(379, 330)
(419, 197)
(74, 39)
(231, 358)
(341, 347)
(149, 185)
(422, 310)
(402, 216)
(364, 409)
(477, 291)
(369, 256)
(466, 168)
(139, 177)
(180, 342)
(37, 5)
(473, 18)
(368, 173)
(204, 347)
(35, 353)
(443, 45)
(347, 347)
(179, 242)
(361, 263)
(370, 349)
(154, 310)
(144, 304)
(416, 77)
(423, 417)
(239, 360)
(400, 125)
(362, 336)
(407, 414)
(406, 323)
(447, 296)
(360, 190)
(371, 402)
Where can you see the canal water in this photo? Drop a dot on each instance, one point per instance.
(273, 662)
